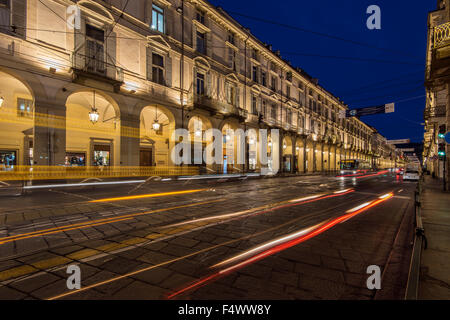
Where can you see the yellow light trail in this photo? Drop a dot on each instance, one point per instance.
(151, 195)
(94, 223)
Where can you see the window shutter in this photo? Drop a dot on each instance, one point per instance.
(237, 96)
(168, 68)
(149, 65)
(19, 16)
(111, 44)
(208, 84)
(195, 81)
(237, 60)
(79, 51)
(227, 91)
(209, 45)
(194, 37)
(169, 21)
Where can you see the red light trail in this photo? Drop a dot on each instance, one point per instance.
(328, 224)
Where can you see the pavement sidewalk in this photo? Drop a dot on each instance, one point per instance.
(434, 282)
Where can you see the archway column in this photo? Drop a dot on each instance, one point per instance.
(49, 146)
(305, 169)
(129, 140)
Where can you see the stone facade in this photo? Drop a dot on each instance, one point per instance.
(437, 83)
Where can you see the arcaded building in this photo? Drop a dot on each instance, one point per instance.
(106, 83)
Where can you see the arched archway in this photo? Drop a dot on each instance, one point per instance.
(156, 127)
(92, 129)
(16, 122)
(230, 148)
(197, 127)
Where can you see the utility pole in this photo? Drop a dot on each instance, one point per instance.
(182, 65)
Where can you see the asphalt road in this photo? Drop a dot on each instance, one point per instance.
(310, 237)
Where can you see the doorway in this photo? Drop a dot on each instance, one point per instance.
(146, 158)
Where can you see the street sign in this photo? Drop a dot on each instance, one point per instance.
(407, 149)
(385, 108)
(390, 107)
(399, 141)
(447, 137)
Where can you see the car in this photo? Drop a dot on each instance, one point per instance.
(411, 175)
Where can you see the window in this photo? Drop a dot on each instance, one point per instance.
(200, 84)
(201, 42)
(289, 76)
(263, 78)
(274, 83)
(157, 18)
(288, 91)
(274, 112)
(157, 68)
(231, 38)
(5, 16)
(201, 17)
(254, 104)
(255, 74)
(24, 108)
(95, 56)
(254, 54)
(263, 111)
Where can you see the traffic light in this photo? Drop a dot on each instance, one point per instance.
(441, 133)
(441, 150)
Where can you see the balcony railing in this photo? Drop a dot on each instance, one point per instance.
(96, 66)
(442, 35)
(435, 112)
(216, 106)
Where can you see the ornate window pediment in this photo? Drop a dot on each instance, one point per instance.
(96, 10)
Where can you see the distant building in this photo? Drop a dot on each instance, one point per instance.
(437, 83)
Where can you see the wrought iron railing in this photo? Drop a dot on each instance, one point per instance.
(435, 112)
(97, 66)
(442, 35)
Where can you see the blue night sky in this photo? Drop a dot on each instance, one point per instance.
(358, 83)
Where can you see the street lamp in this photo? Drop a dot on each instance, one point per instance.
(93, 114)
(156, 125)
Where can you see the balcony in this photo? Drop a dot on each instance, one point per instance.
(435, 112)
(85, 67)
(441, 35)
(215, 106)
